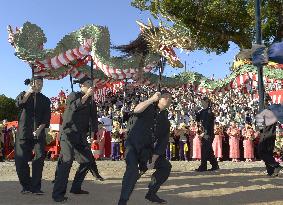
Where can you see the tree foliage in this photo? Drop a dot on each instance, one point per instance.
(8, 109)
(213, 24)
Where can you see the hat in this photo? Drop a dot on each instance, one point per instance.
(28, 81)
(164, 91)
(82, 80)
(205, 99)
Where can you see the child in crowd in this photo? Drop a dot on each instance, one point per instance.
(170, 151)
(98, 143)
(183, 142)
(115, 141)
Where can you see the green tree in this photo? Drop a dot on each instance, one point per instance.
(213, 24)
(8, 109)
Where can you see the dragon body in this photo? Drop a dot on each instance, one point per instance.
(71, 54)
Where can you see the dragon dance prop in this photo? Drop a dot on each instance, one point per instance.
(72, 53)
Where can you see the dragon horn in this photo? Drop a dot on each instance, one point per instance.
(11, 35)
(150, 23)
(142, 25)
(10, 30)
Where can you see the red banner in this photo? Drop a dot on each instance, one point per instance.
(101, 92)
(277, 96)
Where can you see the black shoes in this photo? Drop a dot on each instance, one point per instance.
(154, 198)
(38, 192)
(99, 178)
(79, 192)
(61, 200)
(122, 202)
(26, 191)
(214, 168)
(201, 169)
(276, 171)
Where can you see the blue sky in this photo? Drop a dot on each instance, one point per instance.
(60, 17)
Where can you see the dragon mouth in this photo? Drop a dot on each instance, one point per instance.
(171, 56)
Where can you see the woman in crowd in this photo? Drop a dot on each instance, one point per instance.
(234, 141)
(197, 143)
(192, 134)
(217, 142)
(249, 135)
(100, 140)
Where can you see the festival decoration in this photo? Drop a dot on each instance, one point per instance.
(70, 54)
(58, 104)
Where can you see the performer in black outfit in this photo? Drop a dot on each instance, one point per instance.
(149, 125)
(34, 117)
(267, 139)
(206, 118)
(73, 141)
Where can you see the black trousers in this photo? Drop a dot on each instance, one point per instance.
(83, 156)
(265, 151)
(207, 153)
(93, 169)
(162, 166)
(23, 154)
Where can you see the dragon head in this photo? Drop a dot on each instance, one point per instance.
(162, 41)
(28, 40)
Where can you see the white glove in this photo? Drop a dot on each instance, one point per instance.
(150, 165)
(37, 132)
(31, 89)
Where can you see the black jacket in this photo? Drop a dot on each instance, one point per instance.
(26, 114)
(141, 128)
(77, 118)
(206, 118)
(162, 133)
(268, 131)
(150, 130)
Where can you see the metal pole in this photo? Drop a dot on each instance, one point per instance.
(34, 100)
(72, 85)
(91, 101)
(259, 68)
(160, 71)
(185, 66)
(124, 101)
